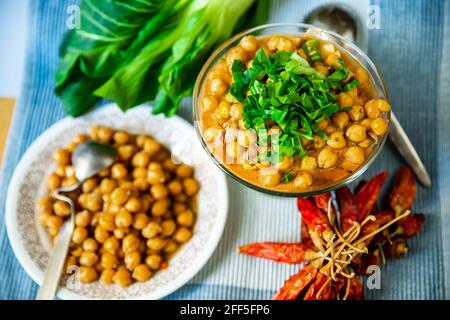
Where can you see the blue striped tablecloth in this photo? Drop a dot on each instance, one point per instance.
(412, 49)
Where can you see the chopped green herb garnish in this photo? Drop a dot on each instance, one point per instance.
(349, 86)
(311, 48)
(287, 177)
(284, 88)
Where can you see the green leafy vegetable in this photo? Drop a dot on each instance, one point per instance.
(287, 177)
(311, 48)
(133, 51)
(285, 89)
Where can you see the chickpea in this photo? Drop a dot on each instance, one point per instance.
(372, 110)
(119, 171)
(285, 164)
(309, 164)
(168, 227)
(68, 182)
(223, 110)
(133, 205)
(341, 119)
(105, 134)
(61, 208)
(140, 159)
(90, 245)
(79, 235)
(130, 243)
(218, 87)
(169, 165)
(82, 218)
(366, 143)
(326, 49)
(156, 243)
(190, 186)
(43, 219)
(333, 60)
(88, 259)
(111, 245)
(120, 233)
(155, 176)
(185, 219)
(323, 124)
(87, 274)
(379, 127)
(132, 260)
(179, 208)
(122, 278)
(175, 187)
(124, 219)
(107, 276)
(356, 113)
(140, 221)
(104, 172)
(70, 263)
(119, 196)
(61, 157)
(285, 44)
(54, 222)
(318, 142)
(89, 185)
(182, 235)
(121, 137)
(141, 273)
(159, 191)
(326, 158)
(270, 178)
(100, 234)
(126, 151)
(146, 201)
(109, 261)
(356, 133)
(77, 252)
(249, 43)
(355, 154)
(107, 185)
(93, 202)
(303, 179)
(171, 246)
(151, 230)
(246, 138)
(236, 53)
(60, 170)
(367, 122)
(53, 181)
(337, 140)
(160, 207)
(151, 146)
(236, 111)
(106, 221)
(322, 69)
(361, 75)
(209, 103)
(153, 261)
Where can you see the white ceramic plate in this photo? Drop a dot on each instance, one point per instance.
(31, 245)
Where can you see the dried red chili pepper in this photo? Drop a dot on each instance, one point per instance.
(348, 209)
(295, 284)
(396, 248)
(319, 289)
(381, 219)
(356, 290)
(367, 196)
(403, 190)
(411, 225)
(312, 216)
(277, 251)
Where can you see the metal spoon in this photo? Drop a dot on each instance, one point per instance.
(88, 159)
(339, 20)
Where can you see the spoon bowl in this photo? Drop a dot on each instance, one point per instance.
(88, 159)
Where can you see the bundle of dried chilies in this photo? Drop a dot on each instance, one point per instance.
(339, 243)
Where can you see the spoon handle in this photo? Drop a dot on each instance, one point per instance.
(56, 263)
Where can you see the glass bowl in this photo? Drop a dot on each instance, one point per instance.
(293, 29)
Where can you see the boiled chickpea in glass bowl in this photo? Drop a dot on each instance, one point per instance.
(291, 110)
